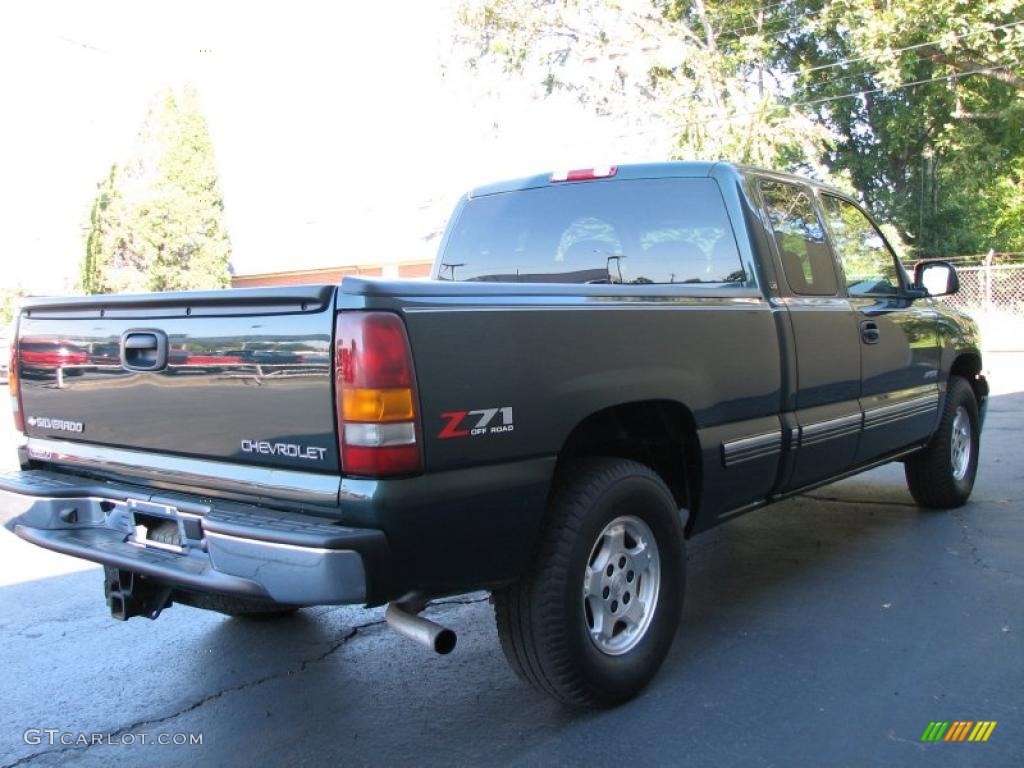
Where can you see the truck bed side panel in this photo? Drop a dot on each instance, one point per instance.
(510, 376)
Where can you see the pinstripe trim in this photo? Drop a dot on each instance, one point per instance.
(822, 431)
(887, 414)
(744, 305)
(763, 445)
(750, 448)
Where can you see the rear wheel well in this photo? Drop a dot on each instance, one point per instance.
(659, 433)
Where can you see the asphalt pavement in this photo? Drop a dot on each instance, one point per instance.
(828, 630)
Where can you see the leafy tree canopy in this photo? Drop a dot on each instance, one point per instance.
(157, 222)
(657, 63)
(917, 104)
(9, 298)
(935, 140)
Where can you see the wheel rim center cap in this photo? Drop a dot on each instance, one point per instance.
(618, 581)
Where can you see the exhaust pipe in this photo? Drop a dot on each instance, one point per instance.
(425, 632)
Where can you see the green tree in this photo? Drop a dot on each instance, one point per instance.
(683, 66)
(9, 298)
(917, 104)
(929, 98)
(157, 222)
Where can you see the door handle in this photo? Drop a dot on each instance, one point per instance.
(869, 332)
(144, 350)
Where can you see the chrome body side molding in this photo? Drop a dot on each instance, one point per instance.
(750, 448)
(887, 414)
(822, 431)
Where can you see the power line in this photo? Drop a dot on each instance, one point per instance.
(901, 86)
(767, 24)
(767, 27)
(771, 21)
(828, 99)
(902, 49)
(764, 26)
(873, 75)
(913, 47)
(862, 74)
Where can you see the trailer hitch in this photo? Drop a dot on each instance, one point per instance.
(129, 594)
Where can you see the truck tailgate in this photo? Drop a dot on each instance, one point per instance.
(240, 375)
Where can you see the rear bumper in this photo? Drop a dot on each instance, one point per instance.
(225, 547)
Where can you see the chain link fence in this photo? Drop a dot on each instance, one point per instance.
(990, 289)
(994, 296)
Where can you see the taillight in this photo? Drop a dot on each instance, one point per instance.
(378, 427)
(585, 174)
(14, 385)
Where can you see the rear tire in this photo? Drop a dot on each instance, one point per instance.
(942, 474)
(594, 616)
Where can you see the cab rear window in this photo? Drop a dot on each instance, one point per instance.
(613, 232)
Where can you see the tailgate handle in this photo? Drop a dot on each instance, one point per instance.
(144, 350)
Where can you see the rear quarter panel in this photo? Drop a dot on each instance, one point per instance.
(555, 363)
(554, 358)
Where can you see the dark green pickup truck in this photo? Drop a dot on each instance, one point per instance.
(605, 363)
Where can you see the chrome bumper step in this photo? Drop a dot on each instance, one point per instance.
(226, 547)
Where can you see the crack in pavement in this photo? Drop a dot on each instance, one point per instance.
(296, 670)
(960, 516)
(957, 514)
(110, 733)
(891, 735)
(965, 537)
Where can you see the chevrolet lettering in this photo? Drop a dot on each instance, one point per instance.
(284, 449)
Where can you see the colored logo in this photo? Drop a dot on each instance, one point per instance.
(959, 730)
(476, 423)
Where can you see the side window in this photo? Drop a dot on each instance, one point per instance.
(869, 265)
(801, 239)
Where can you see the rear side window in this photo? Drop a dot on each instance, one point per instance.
(869, 265)
(622, 232)
(806, 259)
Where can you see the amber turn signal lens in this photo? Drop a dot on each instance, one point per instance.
(377, 405)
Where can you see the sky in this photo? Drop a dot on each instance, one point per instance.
(343, 132)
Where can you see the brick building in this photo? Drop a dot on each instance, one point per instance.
(329, 275)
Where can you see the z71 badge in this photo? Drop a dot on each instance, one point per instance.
(476, 423)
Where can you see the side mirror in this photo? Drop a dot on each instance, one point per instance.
(937, 278)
